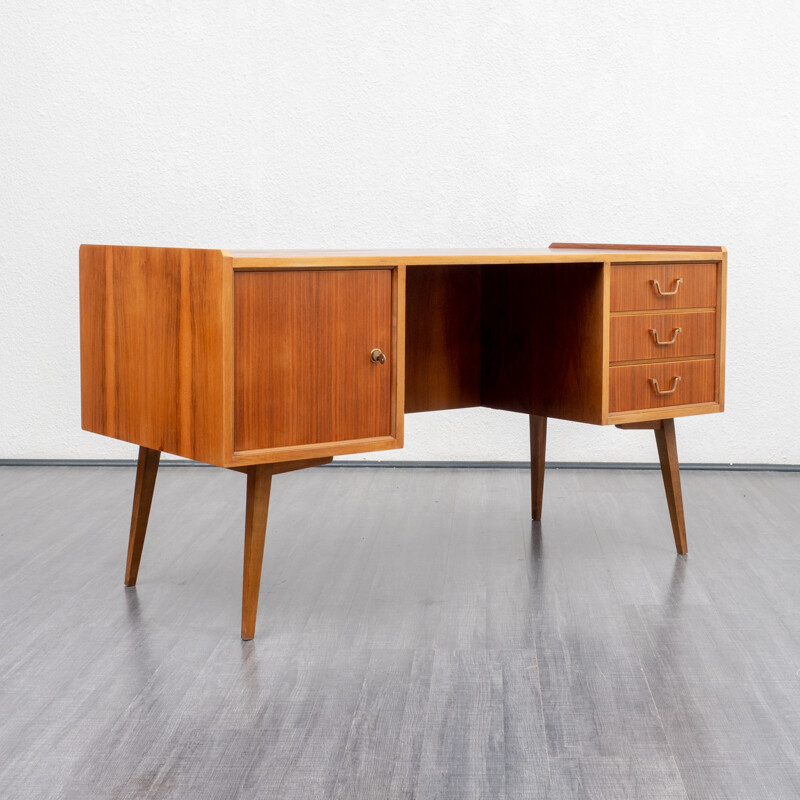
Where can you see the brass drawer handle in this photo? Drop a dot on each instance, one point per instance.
(658, 341)
(661, 293)
(675, 381)
(377, 356)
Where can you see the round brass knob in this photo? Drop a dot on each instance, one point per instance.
(377, 356)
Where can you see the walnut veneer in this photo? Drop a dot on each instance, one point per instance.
(267, 361)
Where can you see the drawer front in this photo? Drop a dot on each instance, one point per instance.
(302, 352)
(631, 387)
(682, 335)
(642, 287)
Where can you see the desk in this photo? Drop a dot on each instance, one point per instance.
(270, 361)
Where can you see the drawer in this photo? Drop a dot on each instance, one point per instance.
(642, 287)
(632, 388)
(681, 335)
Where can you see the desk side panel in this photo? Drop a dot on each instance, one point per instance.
(543, 343)
(152, 347)
(722, 310)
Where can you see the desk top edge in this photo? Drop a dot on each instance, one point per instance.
(432, 256)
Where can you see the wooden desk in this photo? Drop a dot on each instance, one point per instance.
(269, 361)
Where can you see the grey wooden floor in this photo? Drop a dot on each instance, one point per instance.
(418, 637)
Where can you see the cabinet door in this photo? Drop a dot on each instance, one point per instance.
(304, 372)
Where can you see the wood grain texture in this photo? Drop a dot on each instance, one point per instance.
(158, 350)
(538, 434)
(630, 388)
(152, 348)
(396, 689)
(631, 337)
(632, 286)
(462, 752)
(608, 667)
(302, 357)
(281, 467)
(397, 387)
(652, 414)
(228, 420)
(606, 341)
(259, 480)
(670, 473)
(651, 247)
(305, 452)
(146, 472)
(331, 259)
(667, 447)
(722, 310)
(645, 425)
(443, 337)
(543, 334)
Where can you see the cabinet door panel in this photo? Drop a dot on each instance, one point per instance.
(303, 370)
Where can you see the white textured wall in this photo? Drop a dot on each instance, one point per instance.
(287, 123)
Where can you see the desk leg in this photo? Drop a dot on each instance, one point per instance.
(538, 442)
(668, 456)
(667, 445)
(259, 481)
(146, 471)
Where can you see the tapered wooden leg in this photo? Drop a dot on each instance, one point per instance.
(146, 471)
(538, 442)
(668, 456)
(259, 480)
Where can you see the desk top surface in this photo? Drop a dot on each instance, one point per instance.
(555, 254)
(484, 256)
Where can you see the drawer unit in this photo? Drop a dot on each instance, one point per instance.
(637, 337)
(665, 346)
(646, 287)
(662, 384)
